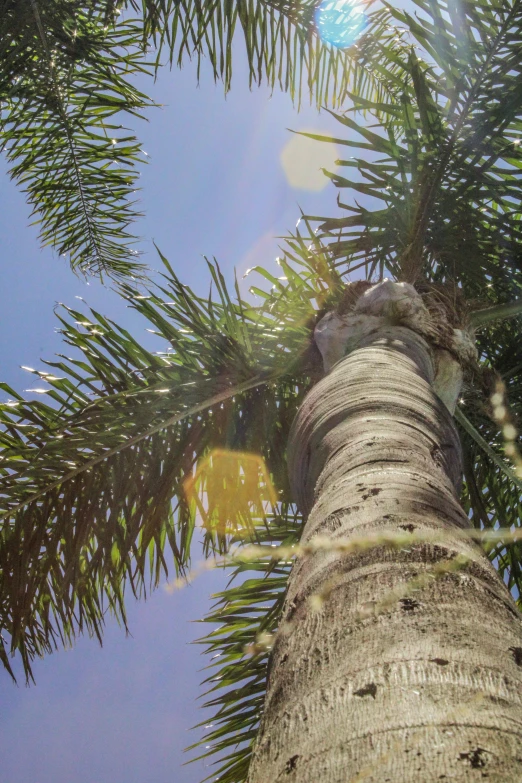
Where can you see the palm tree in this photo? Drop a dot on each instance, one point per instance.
(67, 89)
(318, 426)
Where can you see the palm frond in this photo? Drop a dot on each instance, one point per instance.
(498, 312)
(444, 158)
(94, 481)
(283, 45)
(64, 87)
(247, 615)
(492, 491)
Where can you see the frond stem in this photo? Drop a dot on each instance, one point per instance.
(498, 312)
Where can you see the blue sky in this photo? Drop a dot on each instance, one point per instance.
(215, 186)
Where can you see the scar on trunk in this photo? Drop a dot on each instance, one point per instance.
(409, 604)
(372, 493)
(367, 690)
(291, 764)
(476, 757)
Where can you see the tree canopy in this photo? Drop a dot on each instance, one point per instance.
(68, 75)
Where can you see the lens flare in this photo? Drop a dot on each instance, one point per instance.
(303, 160)
(230, 490)
(340, 22)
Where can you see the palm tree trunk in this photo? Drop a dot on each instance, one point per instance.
(404, 667)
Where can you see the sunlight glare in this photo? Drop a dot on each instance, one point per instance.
(340, 22)
(304, 158)
(231, 490)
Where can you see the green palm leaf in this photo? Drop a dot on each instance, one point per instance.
(64, 82)
(94, 481)
(446, 156)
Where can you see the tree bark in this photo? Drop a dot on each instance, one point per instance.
(402, 674)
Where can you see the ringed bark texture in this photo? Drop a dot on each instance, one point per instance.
(426, 686)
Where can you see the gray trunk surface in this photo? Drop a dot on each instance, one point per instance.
(402, 673)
